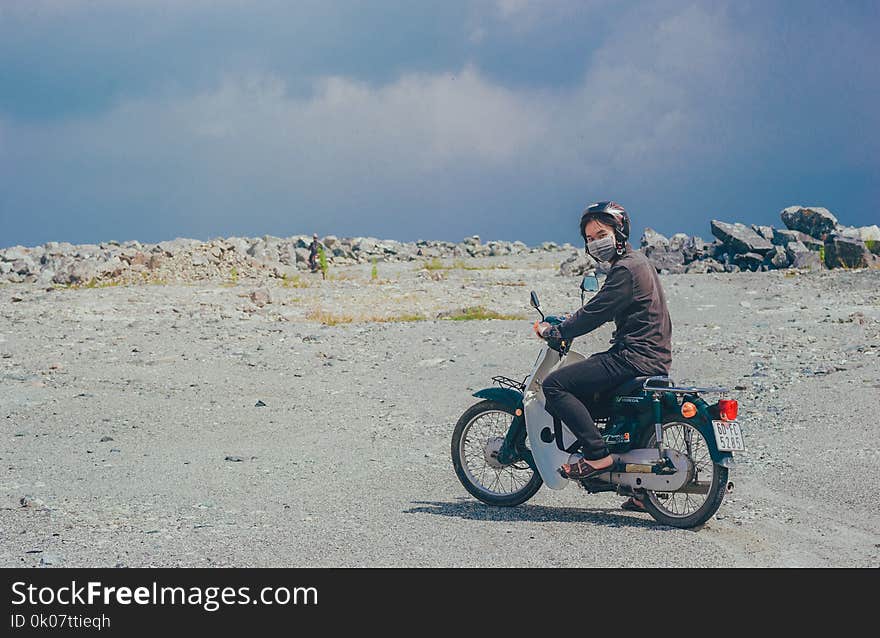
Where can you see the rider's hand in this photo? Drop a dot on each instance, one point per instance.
(540, 327)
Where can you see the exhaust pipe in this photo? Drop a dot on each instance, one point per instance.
(729, 486)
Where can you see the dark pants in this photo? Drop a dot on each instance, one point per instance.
(569, 388)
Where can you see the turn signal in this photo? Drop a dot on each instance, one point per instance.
(688, 409)
(727, 409)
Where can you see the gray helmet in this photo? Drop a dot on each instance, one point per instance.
(610, 213)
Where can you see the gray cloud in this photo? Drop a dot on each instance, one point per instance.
(665, 100)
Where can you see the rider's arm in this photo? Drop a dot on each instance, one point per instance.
(615, 295)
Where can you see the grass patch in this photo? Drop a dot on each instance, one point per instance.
(93, 283)
(434, 264)
(334, 319)
(461, 264)
(473, 313)
(458, 264)
(328, 318)
(294, 282)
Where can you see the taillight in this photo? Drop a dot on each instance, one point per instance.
(727, 409)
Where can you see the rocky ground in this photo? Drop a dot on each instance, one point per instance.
(305, 422)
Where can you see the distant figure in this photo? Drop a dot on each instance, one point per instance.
(313, 253)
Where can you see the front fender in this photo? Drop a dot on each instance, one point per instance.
(506, 396)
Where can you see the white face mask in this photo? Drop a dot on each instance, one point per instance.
(603, 249)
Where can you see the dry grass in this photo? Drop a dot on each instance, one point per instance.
(474, 313)
(294, 282)
(333, 319)
(458, 264)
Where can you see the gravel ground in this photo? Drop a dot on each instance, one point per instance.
(132, 434)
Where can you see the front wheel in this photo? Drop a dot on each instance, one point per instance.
(698, 500)
(476, 440)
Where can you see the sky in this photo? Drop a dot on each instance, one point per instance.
(155, 119)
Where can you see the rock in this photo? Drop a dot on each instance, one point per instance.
(329, 241)
(846, 252)
(14, 253)
(748, 261)
(792, 248)
(778, 258)
(671, 263)
(104, 439)
(138, 259)
(199, 259)
(871, 236)
(806, 259)
(764, 231)
(704, 266)
(847, 231)
(473, 240)
(29, 501)
(176, 246)
(259, 404)
(694, 248)
(24, 265)
(76, 272)
(653, 241)
(869, 233)
(813, 220)
(302, 255)
(234, 459)
(49, 559)
(716, 250)
(782, 237)
(577, 264)
(678, 241)
(740, 239)
(260, 297)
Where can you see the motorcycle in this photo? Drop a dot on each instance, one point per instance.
(672, 448)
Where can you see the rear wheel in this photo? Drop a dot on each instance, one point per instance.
(698, 500)
(477, 437)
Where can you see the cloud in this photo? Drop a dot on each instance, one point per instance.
(666, 98)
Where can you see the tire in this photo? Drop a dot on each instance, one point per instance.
(655, 502)
(490, 417)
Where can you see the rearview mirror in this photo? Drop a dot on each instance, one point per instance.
(589, 283)
(534, 300)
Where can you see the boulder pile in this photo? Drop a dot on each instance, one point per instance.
(61, 263)
(812, 239)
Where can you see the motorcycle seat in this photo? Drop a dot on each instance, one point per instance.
(634, 386)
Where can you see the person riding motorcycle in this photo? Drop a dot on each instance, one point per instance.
(633, 298)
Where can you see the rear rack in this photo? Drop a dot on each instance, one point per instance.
(652, 387)
(506, 382)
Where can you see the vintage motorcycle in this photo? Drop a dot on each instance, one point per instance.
(672, 449)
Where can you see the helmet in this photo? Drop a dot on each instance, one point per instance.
(610, 213)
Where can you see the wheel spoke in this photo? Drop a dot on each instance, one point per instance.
(484, 433)
(686, 439)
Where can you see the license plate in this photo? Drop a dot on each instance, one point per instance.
(728, 436)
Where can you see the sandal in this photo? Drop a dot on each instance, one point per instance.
(581, 470)
(632, 505)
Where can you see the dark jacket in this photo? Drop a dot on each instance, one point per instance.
(633, 297)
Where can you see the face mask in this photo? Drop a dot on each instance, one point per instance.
(603, 249)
